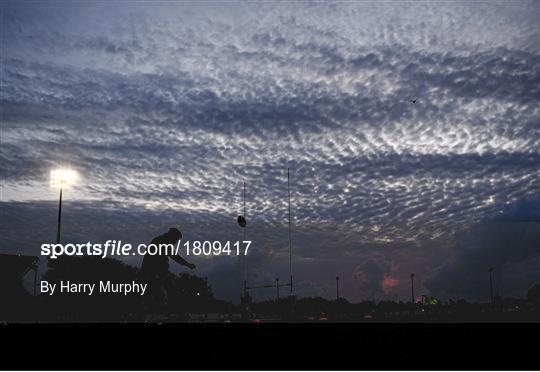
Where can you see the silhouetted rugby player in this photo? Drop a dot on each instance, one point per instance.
(155, 268)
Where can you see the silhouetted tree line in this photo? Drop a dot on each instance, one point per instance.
(189, 295)
(319, 309)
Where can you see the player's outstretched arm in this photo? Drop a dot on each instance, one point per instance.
(179, 260)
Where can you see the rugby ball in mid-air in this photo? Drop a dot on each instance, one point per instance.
(242, 221)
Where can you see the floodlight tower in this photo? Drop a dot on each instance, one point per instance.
(491, 285)
(290, 241)
(244, 230)
(62, 178)
(412, 288)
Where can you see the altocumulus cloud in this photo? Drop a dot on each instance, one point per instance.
(166, 109)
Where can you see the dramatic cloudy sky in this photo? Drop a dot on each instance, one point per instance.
(166, 108)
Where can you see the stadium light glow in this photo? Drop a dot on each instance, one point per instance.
(63, 177)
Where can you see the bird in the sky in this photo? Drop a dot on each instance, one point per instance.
(413, 101)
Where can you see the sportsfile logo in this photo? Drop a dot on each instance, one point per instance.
(109, 248)
(117, 248)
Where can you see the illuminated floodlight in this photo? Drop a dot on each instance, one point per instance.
(63, 177)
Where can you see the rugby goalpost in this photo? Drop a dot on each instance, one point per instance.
(243, 224)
